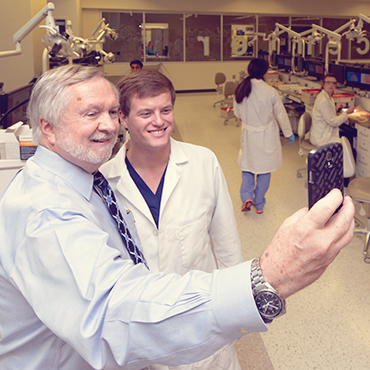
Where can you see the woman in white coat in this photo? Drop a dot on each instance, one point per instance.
(261, 110)
(325, 120)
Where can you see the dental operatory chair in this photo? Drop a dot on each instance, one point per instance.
(359, 190)
(220, 79)
(304, 124)
(229, 90)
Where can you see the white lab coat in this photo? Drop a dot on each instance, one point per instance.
(195, 208)
(325, 121)
(261, 113)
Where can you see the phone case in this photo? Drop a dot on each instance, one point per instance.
(325, 171)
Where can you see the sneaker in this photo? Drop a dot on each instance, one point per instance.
(259, 211)
(247, 205)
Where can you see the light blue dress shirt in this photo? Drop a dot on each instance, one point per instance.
(71, 299)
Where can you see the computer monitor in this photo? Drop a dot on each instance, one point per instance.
(284, 61)
(263, 54)
(315, 68)
(358, 77)
(339, 70)
(273, 59)
(16, 98)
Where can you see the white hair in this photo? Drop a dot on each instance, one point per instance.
(50, 98)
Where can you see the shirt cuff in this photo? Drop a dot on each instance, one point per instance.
(235, 307)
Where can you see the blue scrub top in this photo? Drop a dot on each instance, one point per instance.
(152, 200)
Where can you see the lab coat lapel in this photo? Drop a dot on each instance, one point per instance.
(130, 191)
(173, 172)
(127, 187)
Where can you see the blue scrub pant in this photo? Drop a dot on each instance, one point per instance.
(256, 192)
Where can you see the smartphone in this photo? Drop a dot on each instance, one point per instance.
(325, 171)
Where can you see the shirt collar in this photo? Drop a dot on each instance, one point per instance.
(76, 177)
(115, 167)
(327, 95)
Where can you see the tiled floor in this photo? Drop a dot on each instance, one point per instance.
(327, 326)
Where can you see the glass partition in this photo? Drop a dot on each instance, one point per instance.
(156, 36)
(165, 32)
(333, 25)
(239, 39)
(128, 46)
(203, 37)
(360, 47)
(266, 24)
(303, 25)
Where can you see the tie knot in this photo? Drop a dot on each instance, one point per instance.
(101, 182)
(99, 179)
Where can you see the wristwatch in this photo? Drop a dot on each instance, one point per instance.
(269, 302)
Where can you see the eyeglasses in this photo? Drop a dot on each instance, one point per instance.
(331, 82)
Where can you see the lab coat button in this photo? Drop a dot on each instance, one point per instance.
(155, 232)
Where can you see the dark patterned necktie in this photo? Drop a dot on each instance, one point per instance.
(102, 187)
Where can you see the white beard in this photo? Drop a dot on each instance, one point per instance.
(96, 156)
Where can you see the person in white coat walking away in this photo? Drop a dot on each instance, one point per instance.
(262, 112)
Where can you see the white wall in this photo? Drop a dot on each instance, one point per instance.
(37, 33)
(69, 10)
(15, 71)
(187, 76)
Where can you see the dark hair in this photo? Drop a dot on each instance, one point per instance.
(257, 68)
(136, 62)
(145, 84)
(328, 75)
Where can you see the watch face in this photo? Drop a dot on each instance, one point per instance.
(269, 304)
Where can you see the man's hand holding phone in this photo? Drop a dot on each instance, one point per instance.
(307, 242)
(325, 171)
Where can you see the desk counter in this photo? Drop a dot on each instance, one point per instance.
(361, 122)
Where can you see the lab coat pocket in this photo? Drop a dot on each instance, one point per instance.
(194, 243)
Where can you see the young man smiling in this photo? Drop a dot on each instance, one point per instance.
(176, 191)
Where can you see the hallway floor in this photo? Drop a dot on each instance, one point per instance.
(327, 326)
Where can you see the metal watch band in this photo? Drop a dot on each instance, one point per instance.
(260, 285)
(256, 274)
